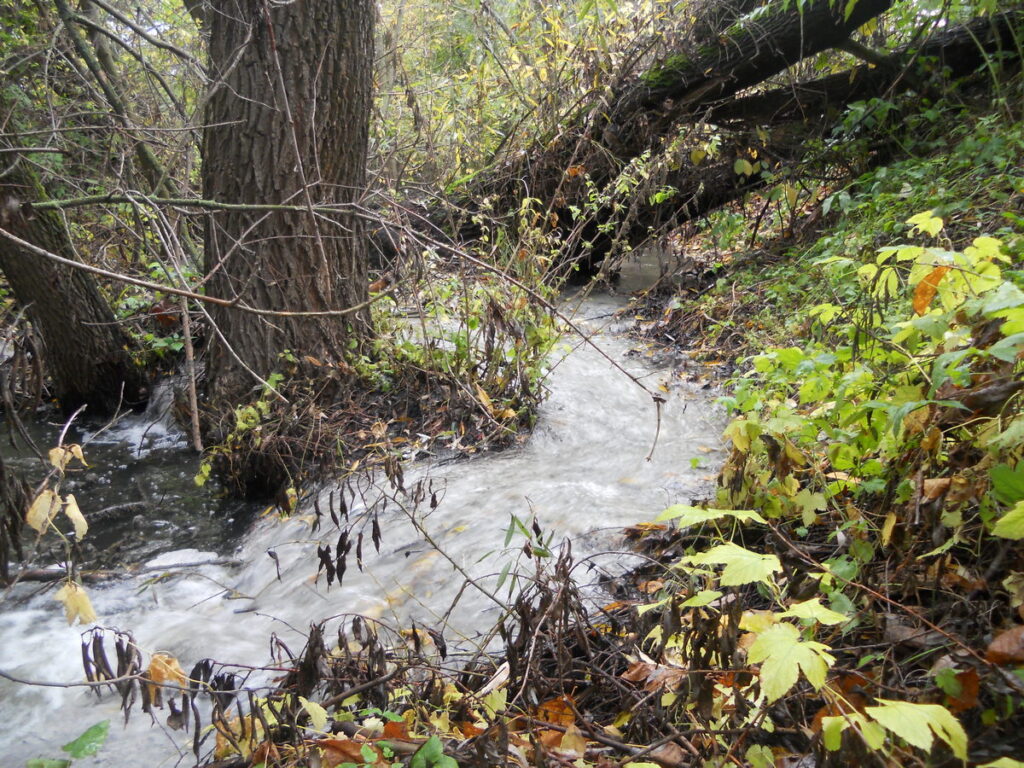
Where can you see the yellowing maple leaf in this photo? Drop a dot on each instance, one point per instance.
(741, 565)
(784, 654)
(43, 509)
(915, 724)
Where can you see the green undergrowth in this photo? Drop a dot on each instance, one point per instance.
(861, 562)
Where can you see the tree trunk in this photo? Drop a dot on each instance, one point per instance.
(649, 109)
(86, 353)
(287, 122)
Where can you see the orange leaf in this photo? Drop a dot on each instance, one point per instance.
(574, 170)
(396, 729)
(557, 711)
(1007, 647)
(968, 696)
(927, 288)
(338, 751)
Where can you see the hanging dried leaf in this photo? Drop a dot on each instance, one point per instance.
(43, 509)
(76, 603)
(927, 288)
(74, 514)
(62, 455)
(163, 668)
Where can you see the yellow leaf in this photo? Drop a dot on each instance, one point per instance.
(74, 514)
(791, 195)
(573, 741)
(887, 528)
(485, 399)
(164, 668)
(43, 510)
(697, 156)
(76, 603)
(62, 455)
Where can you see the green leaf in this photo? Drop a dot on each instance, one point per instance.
(1007, 483)
(429, 755)
(741, 565)
(317, 714)
(760, 756)
(815, 611)
(55, 763)
(926, 222)
(702, 598)
(1011, 525)
(784, 655)
(89, 742)
(1004, 762)
(916, 724)
(1007, 349)
(687, 515)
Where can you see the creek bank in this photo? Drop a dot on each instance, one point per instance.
(582, 474)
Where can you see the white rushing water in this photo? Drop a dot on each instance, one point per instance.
(582, 473)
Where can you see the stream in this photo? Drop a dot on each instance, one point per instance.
(582, 474)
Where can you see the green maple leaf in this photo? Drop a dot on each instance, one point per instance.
(1011, 525)
(783, 655)
(916, 724)
(687, 515)
(741, 565)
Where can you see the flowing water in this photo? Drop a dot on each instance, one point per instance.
(583, 473)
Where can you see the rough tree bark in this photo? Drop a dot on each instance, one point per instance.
(287, 122)
(86, 352)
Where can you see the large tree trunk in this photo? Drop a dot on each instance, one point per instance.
(648, 109)
(86, 353)
(287, 122)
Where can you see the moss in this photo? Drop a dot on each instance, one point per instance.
(666, 72)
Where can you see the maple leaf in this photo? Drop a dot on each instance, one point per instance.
(741, 565)
(784, 655)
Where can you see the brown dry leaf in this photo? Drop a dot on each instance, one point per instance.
(934, 487)
(338, 751)
(970, 685)
(575, 170)
(638, 671)
(668, 754)
(652, 586)
(266, 753)
(396, 729)
(961, 491)
(927, 288)
(915, 421)
(1007, 647)
(931, 439)
(549, 738)
(961, 579)
(557, 712)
